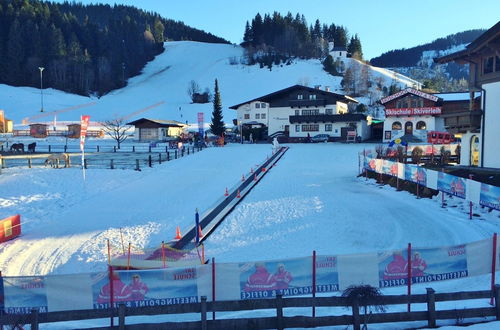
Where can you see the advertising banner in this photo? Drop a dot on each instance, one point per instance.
(387, 167)
(10, 228)
(83, 130)
(490, 196)
(439, 264)
(416, 174)
(146, 288)
(200, 125)
(327, 275)
(267, 279)
(451, 184)
(22, 294)
(427, 265)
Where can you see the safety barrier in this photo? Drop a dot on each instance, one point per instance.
(473, 191)
(248, 280)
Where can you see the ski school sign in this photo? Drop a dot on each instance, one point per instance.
(427, 111)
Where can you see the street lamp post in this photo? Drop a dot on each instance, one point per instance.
(41, 85)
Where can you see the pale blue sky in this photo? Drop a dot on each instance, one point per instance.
(382, 25)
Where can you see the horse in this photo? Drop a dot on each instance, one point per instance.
(17, 147)
(31, 147)
(55, 159)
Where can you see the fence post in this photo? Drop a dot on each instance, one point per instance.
(97, 147)
(84, 163)
(29, 162)
(159, 158)
(111, 165)
(168, 156)
(150, 161)
(188, 149)
(213, 288)
(166, 148)
(314, 284)
(182, 152)
(431, 308)
(203, 313)
(497, 300)
(175, 153)
(114, 148)
(49, 148)
(279, 312)
(137, 168)
(493, 266)
(121, 316)
(34, 319)
(356, 323)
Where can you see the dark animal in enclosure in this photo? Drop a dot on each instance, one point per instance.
(17, 147)
(31, 147)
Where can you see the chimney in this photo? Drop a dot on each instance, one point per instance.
(327, 88)
(317, 86)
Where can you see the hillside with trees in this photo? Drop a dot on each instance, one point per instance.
(411, 56)
(84, 49)
(275, 38)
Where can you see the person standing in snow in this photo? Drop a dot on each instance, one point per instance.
(282, 277)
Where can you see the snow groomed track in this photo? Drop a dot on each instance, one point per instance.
(215, 217)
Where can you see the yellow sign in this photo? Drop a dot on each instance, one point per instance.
(7, 228)
(397, 141)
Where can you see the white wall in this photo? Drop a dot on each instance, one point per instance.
(432, 124)
(492, 126)
(251, 110)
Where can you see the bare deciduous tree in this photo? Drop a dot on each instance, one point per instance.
(192, 89)
(116, 129)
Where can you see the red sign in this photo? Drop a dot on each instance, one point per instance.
(84, 123)
(351, 133)
(10, 228)
(427, 111)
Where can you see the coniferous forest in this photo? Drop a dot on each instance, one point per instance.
(83, 49)
(276, 38)
(410, 57)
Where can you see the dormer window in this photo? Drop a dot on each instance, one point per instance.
(300, 97)
(312, 97)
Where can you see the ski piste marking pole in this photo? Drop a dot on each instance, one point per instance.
(213, 288)
(314, 284)
(493, 266)
(409, 275)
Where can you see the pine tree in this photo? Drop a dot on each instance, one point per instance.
(217, 126)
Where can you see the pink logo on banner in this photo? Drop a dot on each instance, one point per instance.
(84, 123)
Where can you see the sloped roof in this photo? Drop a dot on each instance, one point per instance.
(339, 48)
(409, 91)
(271, 96)
(164, 123)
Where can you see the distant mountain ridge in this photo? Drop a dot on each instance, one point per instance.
(411, 56)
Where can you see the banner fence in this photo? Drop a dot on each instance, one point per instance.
(246, 280)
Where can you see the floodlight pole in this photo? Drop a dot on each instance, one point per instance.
(41, 68)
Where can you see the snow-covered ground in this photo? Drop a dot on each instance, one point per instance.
(166, 79)
(312, 200)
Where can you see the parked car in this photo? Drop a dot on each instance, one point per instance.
(320, 138)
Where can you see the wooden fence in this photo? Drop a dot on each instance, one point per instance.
(112, 160)
(276, 306)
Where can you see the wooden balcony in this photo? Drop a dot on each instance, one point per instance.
(307, 103)
(461, 122)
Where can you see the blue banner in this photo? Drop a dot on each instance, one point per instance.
(416, 174)
(267, 279)
(146, 288)
(427, 265)
(490, 196)
(327, 275)
(22, 294)
(452, 185)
